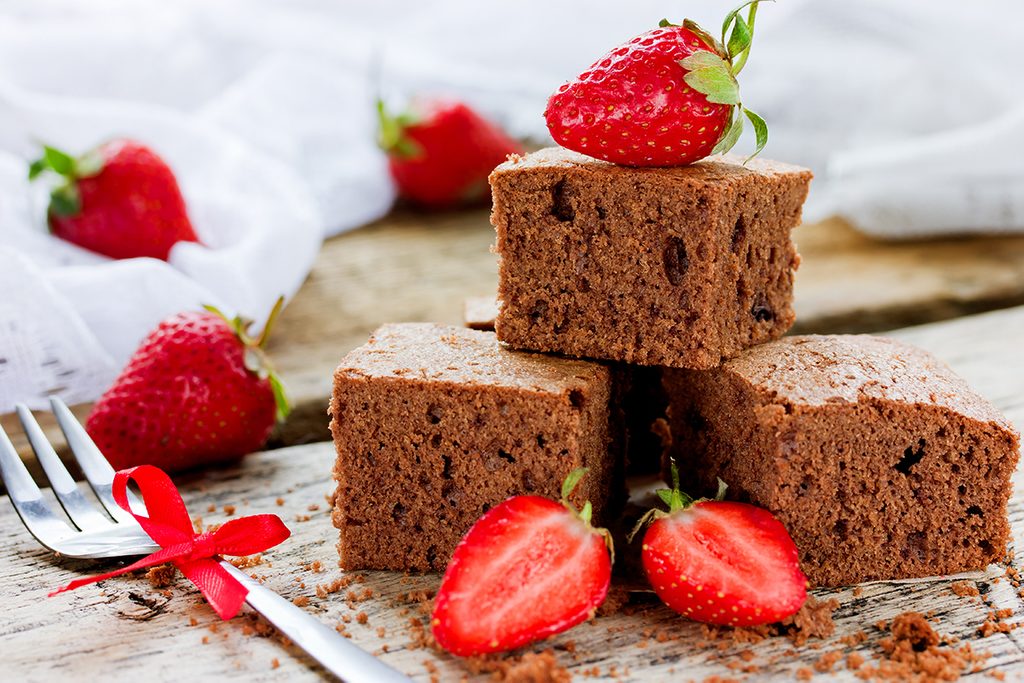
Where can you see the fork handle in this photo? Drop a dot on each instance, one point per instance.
(335, 652)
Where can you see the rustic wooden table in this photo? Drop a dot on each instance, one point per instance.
(421, 268)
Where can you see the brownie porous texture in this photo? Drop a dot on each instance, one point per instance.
(878, 459)
(435, 425)
(680, 267)
(636, 391)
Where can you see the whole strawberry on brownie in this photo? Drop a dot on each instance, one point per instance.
(528, 569)
(198, 390)
(668, 97)
(721, 562)
(440, 152)
(120, 200)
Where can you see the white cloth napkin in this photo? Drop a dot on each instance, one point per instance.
(910, 114)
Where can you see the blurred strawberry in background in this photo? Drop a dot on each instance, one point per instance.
(440, 152)
(199, 390)
(120, 200)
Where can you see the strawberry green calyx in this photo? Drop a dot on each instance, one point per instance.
(713, 73)
(676, 500)
(572, 480)
(256, 359)
(391, 135)
(65, 199)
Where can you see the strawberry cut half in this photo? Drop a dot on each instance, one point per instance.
(721, 562)
(528, 569)
(724, 563)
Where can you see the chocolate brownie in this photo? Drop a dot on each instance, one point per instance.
(880, 461)
(653, 266)
(636, 390)
(434, 425)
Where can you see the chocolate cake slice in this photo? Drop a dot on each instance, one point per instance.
(680, 267)
(881, 462)
(636, 390)
(434, 425)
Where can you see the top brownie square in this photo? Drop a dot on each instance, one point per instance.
(682, 267)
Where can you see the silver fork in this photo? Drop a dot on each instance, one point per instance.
(114, 533)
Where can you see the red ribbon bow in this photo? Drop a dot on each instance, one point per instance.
(170, 527)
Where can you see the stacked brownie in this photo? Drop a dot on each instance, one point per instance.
(643, 300)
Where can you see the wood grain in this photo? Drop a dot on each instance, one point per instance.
(127, 630)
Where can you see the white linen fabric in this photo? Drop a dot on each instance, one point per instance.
(911, 114)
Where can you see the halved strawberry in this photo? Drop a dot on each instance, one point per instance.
(528, 569)
(720, 562)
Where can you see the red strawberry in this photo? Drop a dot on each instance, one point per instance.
(120, 200)
(722, 563)
(197, 391)
(441, 153)
(666, 98)
(529, 568)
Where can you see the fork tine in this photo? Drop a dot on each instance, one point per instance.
(82, 513)
(35, 513)
(95, 467)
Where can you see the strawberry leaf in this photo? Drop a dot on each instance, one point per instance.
(58, 161)
(280, 396)
(731, 134)
(664, 23)
(572, 481)
(739, 39)
(735, 14)
(65, 200)
(708, 39)
(760, 131)
(711, 75)
(36, 168)
(391, 135)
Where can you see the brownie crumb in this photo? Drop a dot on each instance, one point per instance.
(229, 510)
(964, 589)
(827, 661)
(812, 621)
(280, 502)
(530, 667)
(274, 663)
(615, 600)
(914, 651)
(994, 623)
(161, 576)
(301, 601)
(247, 561)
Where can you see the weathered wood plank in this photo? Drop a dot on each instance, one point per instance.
(105, 632)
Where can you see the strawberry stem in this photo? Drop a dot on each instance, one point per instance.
(675, 499)
(261, 341)
(741, 57)
(391, 135)
(256, 359)
(65, 199)
(572, 480)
